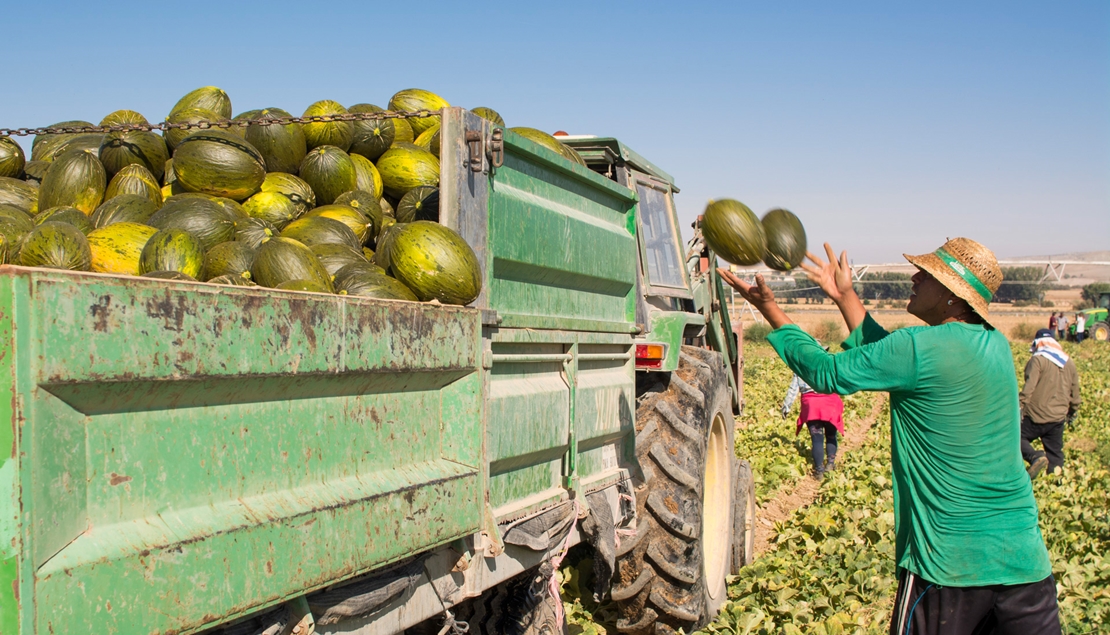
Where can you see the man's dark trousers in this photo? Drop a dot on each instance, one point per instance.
(1051, 436)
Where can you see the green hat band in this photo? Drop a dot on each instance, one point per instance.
(964, 273)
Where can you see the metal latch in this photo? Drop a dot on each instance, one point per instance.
(497, 148)
(474, 146)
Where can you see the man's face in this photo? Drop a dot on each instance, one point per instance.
(928, 298)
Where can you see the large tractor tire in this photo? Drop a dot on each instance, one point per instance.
(1100, 331)
(671, 574)
(520, 606)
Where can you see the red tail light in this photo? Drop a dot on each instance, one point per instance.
(650, 356)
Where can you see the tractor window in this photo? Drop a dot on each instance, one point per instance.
(664, 265)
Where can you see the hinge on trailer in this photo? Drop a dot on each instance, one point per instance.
(497, 148)
(474, 145)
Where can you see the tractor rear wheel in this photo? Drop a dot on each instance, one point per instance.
(671, 574)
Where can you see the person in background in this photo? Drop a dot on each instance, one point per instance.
(823, 415)
(968, 546)
(1052, 321)
(1062, 328)
(1080, 327)
(1049, 399)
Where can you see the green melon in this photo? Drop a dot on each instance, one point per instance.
(311, 286)
(77, 179)
(125, 208)
(369, 284)
(387, 210)
(14, 225)
(733, 232)
(135, 179)
(208, 98)
(232, 281)
(329, 133)
(254, 231)
(175, 136)
(11, 158)
(368, 254)
(116, 248)
(414, 99)
(173, 250)
(370, 207)
(404, 167)
(46, 145)
(335, 257)
(367, 177)
(203, 218)
(342, 275)
(65, 214)
(272, 207)
(170, 275)
(282, 147)
(549, 142)
(372, 137)
(330, 172)
(120, 149)
(435, 262)
(384, 244)
(231, 258)
(490, 115)
(19, 194)
(355, 220)
(293, 188)
(33, 171)
(283, 259)
(219, 163)
(786, 240)
(241, 131)
(56, 246)
(419, 203)
(316, 230)
(429, 140)
(234, 209)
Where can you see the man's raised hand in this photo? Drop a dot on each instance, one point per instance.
(834, 277)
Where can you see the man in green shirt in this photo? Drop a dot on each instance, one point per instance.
(969, 551)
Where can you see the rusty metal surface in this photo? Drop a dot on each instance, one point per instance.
(212, 450)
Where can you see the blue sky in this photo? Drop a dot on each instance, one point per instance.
(887, 127)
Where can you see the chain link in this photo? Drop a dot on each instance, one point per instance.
(206, 125)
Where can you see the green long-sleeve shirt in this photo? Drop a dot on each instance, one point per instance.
(964, 510)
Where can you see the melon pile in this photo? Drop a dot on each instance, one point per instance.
(737, 235)
(330, 207)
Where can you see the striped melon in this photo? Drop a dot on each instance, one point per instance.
(116, 248)
(330, 172)
(77, 179)
(328, 133)
(219, 163)
(414, 99)
(406, 166)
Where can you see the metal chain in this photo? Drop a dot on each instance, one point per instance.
(205, 125)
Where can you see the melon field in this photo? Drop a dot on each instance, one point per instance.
(828, 566)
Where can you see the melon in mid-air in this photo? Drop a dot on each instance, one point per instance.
(786, 240)
(734, 232)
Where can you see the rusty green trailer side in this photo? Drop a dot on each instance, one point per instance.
(185, 455)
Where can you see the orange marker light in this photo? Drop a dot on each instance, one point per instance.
(650, 356)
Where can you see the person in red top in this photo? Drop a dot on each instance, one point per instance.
(823, 416)
(1052, 322)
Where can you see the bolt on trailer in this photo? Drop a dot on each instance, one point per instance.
(191, 458)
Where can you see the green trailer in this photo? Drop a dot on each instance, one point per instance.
(191, 458)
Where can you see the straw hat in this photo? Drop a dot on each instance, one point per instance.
(965, 268)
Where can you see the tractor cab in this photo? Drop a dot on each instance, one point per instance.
(680, 299)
